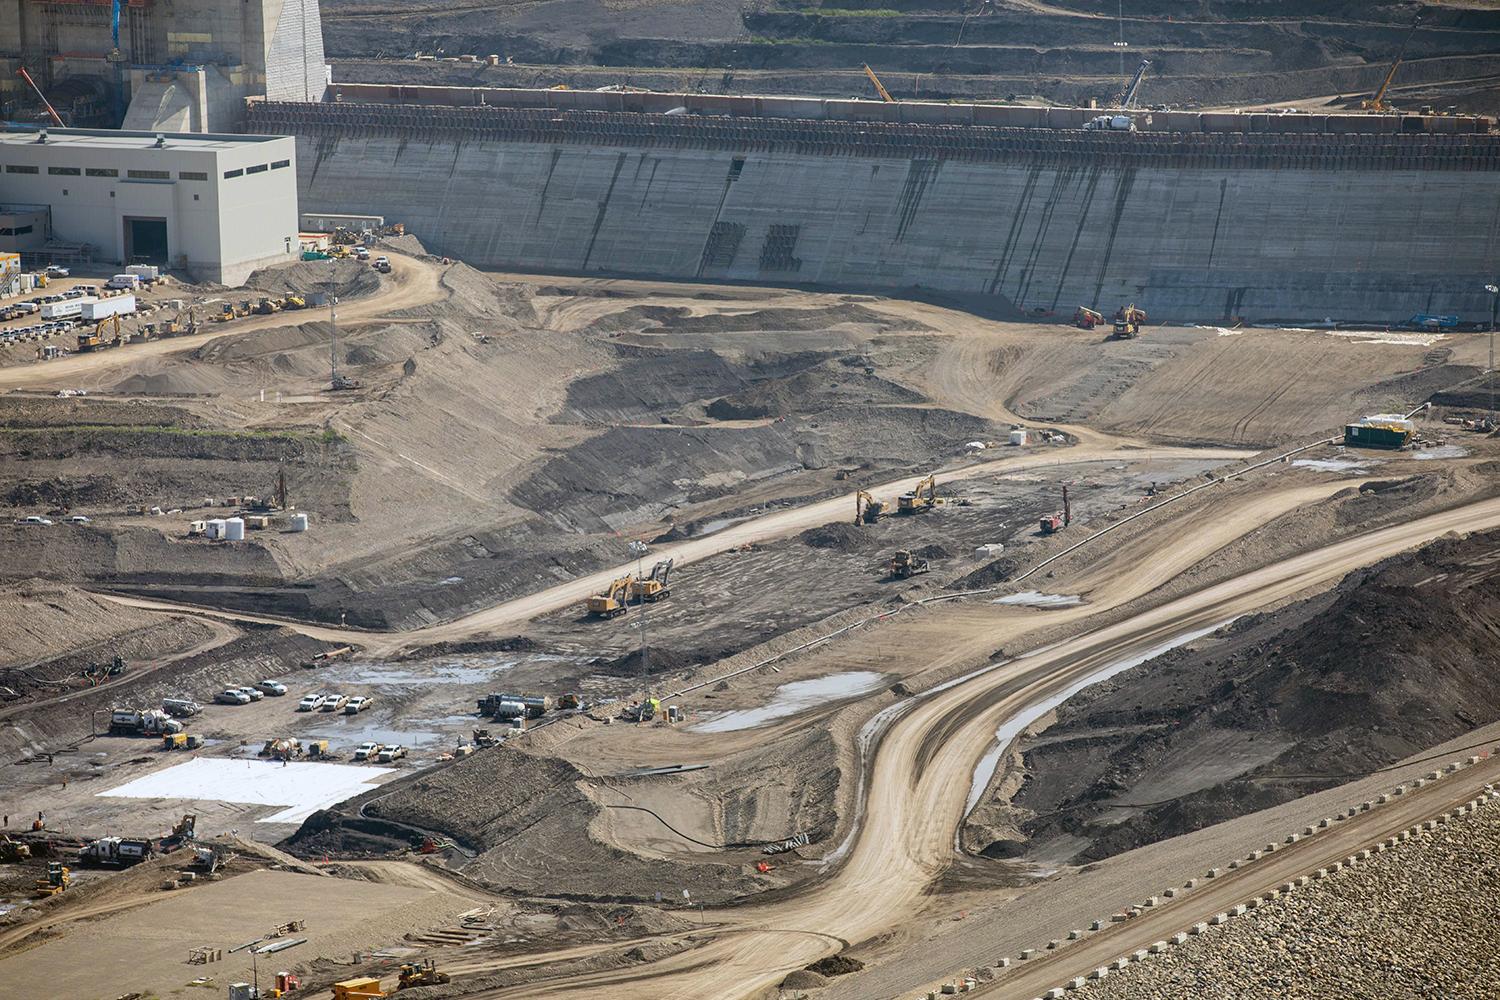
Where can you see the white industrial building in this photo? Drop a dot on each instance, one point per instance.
(214, 206)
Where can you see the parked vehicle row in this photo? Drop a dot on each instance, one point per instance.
(334, 702)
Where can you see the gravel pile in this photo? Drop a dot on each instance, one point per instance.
(1419, 920)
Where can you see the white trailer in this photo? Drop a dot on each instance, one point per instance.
(67, 309)
(97, 309)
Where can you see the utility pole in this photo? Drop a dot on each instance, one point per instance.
(1494, 291)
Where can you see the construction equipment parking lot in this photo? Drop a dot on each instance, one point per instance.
(1043, 726)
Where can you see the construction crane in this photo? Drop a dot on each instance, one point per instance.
(885, 95)
(654, 587)
(51, 111)
(1122, 120)
(613, 602)
(923, 497)
(1377, 103)
(867, 510)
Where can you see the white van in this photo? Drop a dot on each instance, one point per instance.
(130, 281)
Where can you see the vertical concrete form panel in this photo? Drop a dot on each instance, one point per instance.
(1201, 243)
(294, 50)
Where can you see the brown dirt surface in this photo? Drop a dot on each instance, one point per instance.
(1282, 705)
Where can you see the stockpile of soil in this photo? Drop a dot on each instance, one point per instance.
(344, 278)
(839, 536)
(1398, 658)
(654, 660)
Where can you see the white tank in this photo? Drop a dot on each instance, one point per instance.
(299, 522)
(214, 528)
(234, 529)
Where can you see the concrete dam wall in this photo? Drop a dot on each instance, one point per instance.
(1204, 228)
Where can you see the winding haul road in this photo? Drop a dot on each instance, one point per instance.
(920, 780)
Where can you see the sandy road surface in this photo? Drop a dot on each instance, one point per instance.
(1214, 896)
(761, 529)
(920, 779)
(411, 283)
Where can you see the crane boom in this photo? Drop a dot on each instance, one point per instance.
(1377, 103)
(56, 118)
(885, 95)
(1127, 99)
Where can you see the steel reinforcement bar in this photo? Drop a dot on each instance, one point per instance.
(882, 140)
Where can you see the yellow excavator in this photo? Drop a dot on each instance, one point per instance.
(867, 510)
(613, 602)
(654, 587)
(924, 497)
(95, 341)
(1128, 322)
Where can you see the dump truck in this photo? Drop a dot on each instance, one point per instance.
(115, 852)
(905, 565)
(614, 602)
(153, 722)
(654, 587)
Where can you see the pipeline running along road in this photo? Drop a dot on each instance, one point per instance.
(920, 779)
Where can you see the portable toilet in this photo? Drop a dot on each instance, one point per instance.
(1018, 437)
(234, 529)
(299, 522)
(214, 528)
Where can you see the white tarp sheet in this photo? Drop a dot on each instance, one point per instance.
(301, 787)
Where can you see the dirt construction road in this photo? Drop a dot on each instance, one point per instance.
(761, 529)
(411, 283)
(921, 774)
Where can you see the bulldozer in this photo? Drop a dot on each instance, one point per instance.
(923, 497)
(867, 510)
(57, 881)
(266, 307)
(904, 565)
(614, 602)
(654, 587)
(1086, 319)
(1128, 320)
(424, 973)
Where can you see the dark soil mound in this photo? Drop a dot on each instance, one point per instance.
(933, 551)
(838, 536)
(655, 660)
(1399, 658)
(989, 575)
(510, 644)
(836, 965)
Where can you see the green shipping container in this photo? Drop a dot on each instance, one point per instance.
(1374, 436)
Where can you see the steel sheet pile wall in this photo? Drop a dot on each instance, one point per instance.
(1195, 226)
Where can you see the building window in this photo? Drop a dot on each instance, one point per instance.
(101, 172)
(279, 164)
(20, 168)
(233, 173)
(65, 192)
(18, 231)
(195, 197)
(64, 171)
(191, 175)
(150, 175)
(257, 169)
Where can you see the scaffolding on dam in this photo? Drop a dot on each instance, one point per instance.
(902, 140)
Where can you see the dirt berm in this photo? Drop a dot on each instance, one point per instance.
(1399, 657)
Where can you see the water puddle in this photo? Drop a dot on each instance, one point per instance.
(1444, 451)
(1037, 599)
(1333, 464)
(348, 731)
(1016, 724)
(789, 699)
(398, 675)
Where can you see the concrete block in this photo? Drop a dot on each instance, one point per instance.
(1213, 873)
(1152, 901)
(1190, 883)
(1234, 864)
(1288, 886)
(1179, 938)
(1308, 831)
(1419, 783)
(1254, 856)
(1336, 866)
(1169, 893)
(1056, 993)
(1074, 935)
(949, 989)
(1364, 855)
(1471, 761)
(1054, 944)
(1292, 838)
(1118, 964)
(1138, 956)
(1027, 953)
(1463, 810)
(1303, 880)
(1400, 789)
(1271, 848)
(1238, 910)
(1324, 823)
(1434, 775)
(1365, 806)
(1321, 873)
(1097, 925)
(1157, 947)
(1003, 963)
(1197, 929)
(1076, 983)
(1218, 918)
(1453, 767)
(1383, 799)
(1100, 973)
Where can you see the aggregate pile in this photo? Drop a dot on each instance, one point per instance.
(1414, 921)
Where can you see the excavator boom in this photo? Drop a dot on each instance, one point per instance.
(885, 95)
